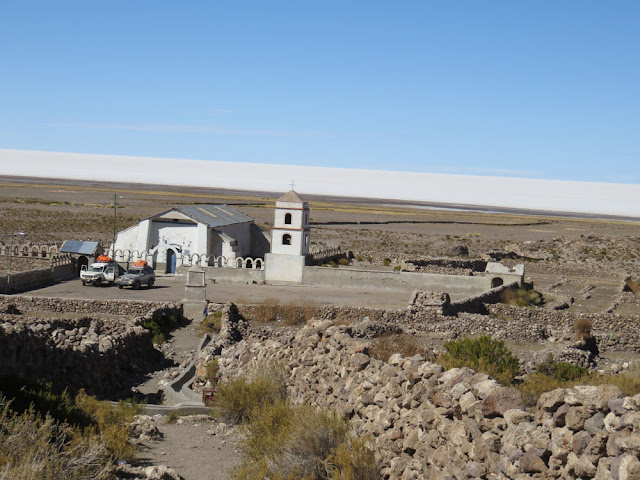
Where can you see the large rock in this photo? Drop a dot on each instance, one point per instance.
(502, 399)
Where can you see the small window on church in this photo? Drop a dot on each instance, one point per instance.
(287, 219)
(286, 239)
(306, 239)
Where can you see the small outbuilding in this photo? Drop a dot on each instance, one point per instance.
(85, 252)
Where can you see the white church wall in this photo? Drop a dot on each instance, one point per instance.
(182, 237)
(241, 232)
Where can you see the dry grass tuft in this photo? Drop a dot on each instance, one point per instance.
(406, 345)
(267, 311)
(582, 327)
(521, 297)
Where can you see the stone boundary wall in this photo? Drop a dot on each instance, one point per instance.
(450, 263)
(505, 322)
(131, 308)
(477, 303)
(105, 357)
(33, 279)
(424, 422)
(21, 264)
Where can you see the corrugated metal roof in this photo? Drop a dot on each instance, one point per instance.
(80, 247)
(214, 215)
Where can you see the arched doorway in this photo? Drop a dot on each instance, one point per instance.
(82, 261)
(496, 282)
(171, 261)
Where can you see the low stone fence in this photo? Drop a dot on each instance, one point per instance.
(106, 357)
(131, 308)
(34, 279)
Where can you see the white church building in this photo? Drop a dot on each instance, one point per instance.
(202, 234)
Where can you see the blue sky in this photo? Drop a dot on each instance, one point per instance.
(545, 89)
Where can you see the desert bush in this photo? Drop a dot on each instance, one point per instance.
(386, 345)
(582, 328)
(33, 447)
(267, 311)
(238, 399)
(535, 384)
(212, 370)
(359, 258)
(521, 297)
(110, 424)
(386, 262)
(353, 460)
(482, 354)
(161, 324)
(344, 261)
(397, 268)
(560, 371)
(212, 323)
(286, 442)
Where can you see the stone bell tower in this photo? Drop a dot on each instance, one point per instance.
(289, 240)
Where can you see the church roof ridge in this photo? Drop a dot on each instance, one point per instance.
(291, 196)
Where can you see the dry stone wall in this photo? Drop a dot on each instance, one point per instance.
(103, 356)
(131, 308)
(424, 422)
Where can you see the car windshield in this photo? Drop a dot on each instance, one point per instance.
(97, 268)
(134, 271)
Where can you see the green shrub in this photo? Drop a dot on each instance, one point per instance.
(561, 371)
(386, 262)
(344, 261)
(521, 297)
(482, 354)
(161, 324)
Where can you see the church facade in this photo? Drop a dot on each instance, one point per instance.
(206, 233)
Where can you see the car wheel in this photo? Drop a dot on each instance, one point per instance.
(136, 285)
(120, 287)
(84, 284)
(99, 282)
(150, 284)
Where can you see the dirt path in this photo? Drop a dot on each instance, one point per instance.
(196, 447)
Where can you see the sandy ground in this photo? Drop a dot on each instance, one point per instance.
(171, 289)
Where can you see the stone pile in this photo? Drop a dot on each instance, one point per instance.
(427, 423)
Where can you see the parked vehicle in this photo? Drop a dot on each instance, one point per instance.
(138, 274)
(104, 270)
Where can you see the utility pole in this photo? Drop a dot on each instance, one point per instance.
(115, 222)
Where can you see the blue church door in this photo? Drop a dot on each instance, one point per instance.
(171, 261)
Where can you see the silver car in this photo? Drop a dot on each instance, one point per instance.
(137, 276)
